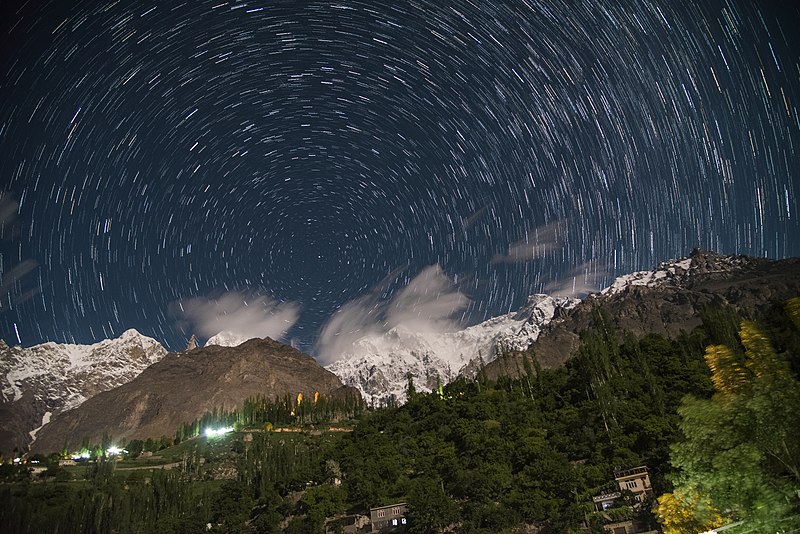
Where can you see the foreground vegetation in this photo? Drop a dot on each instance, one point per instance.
(480, 456)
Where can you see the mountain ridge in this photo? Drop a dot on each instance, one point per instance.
(667, 301)
(182, 387)
(44, 380)
(379, 366)
(40, 382)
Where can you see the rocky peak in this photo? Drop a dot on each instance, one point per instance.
(52, 377)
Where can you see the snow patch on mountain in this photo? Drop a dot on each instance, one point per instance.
(676, 272)
(45, 420)
(667, 273)
(379, 365)
(227, 338)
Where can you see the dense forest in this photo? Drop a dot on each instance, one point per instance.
(713, 414)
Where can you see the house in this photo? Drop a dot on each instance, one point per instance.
(636, 480)
(390, 518)
(39, 469)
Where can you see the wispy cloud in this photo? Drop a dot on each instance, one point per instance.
(243, 314)
(8, 211)
(427, 304)
(12, 286)
(537, 244)
(473, 218)
(582, 280)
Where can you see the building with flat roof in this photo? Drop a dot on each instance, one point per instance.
(635, 480)
(386, 519)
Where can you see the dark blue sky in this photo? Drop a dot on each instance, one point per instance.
(309, 153)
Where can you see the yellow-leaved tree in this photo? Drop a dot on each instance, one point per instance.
(740, 459)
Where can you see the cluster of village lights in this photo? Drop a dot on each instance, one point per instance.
(117, 451)
(111, 451)
(212, 432)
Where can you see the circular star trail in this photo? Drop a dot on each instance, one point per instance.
(304, 154)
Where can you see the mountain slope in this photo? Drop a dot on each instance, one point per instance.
(668, 300)
(182, 387)
(41, 381)
(379, 365)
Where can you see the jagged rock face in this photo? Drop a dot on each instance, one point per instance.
(182, 387)
(41, 381)
(668, 300)
(379, 365)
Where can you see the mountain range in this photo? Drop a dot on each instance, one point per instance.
(379, 366)
(135, 389)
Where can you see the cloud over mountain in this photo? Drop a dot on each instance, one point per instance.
(428, 303)
(240, 313)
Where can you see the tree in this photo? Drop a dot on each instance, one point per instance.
(429, 508)
(232, 506)
(687, 513)
(741, 452)
(411, 391)
(319, 502)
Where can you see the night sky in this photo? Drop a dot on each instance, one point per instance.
(164, 164)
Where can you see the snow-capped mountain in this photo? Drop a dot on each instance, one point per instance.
(667, 273)
(667, 301)
(227, 338)
(41, 381)
(379, 365)
(664, 301)
(679, 272)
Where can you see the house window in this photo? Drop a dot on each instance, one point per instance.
(381, 513)
(631, 484)
(396, 511)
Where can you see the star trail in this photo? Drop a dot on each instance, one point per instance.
(299, 155)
